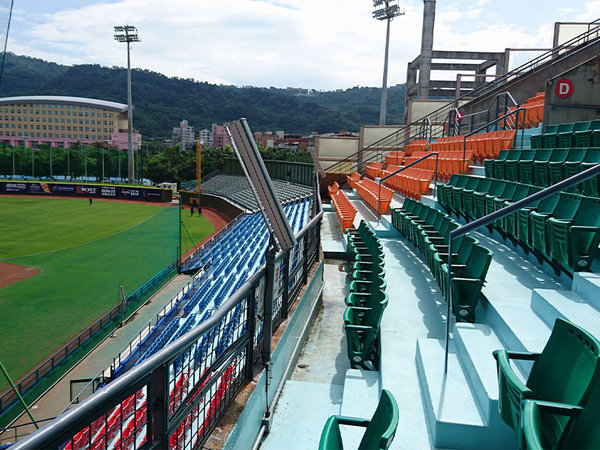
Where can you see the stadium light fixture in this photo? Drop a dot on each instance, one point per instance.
(249, 156)
(385, 10)
(128, 34)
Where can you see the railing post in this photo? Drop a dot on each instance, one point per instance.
(305, 259)
(251, 326)
(448, 305)
(285, 296)
(158, 407)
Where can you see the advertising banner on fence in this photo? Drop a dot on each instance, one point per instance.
(77, 190)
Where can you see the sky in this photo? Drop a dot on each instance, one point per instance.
(313, 44)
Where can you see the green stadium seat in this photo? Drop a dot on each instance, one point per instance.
(550, 137)
(565, 209)
(445, 190)
(564, 135)
(540, 168)
(526, 165)
(464, 245)
(457, 194)
(566, 139)
(544, 207)
(480, 197)
(507, 223)
(379, 432)
(583, 431)
(365, 299)
(564, 372)
(511, 167)
(591, 186)
(467, 282)
(536, 141)
(556, 169)
(573, 243)
(362, 335)
(585, 138)
(468, 197)
(500, 164)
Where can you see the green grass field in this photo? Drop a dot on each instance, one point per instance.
(84, 253)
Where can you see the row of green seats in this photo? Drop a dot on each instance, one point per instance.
(545, 167)
(558, 405)
(563, 229)
(475, 197)
(429, 230)
(566, 135)
(367, 298)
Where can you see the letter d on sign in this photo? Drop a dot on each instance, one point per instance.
(564, 88)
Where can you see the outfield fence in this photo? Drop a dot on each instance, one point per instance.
(8, 399)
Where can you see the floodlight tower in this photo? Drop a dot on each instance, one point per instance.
(386, 10)
(128, 34)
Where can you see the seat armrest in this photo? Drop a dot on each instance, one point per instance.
(354, 421)
(563, 409)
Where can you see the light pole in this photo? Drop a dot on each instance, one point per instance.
(387, 10)
(128, 34)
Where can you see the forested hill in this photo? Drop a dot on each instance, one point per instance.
(161, 102)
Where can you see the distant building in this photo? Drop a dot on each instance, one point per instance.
(184, 135)
(292, 142)
(220, 138)
(60, 121)
(206, 137)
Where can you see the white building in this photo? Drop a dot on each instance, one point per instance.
(184, 135)
(206, 137)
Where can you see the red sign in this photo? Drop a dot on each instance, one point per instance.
(564, 88)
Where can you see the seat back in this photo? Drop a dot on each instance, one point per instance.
(566, 366)
(567, 206)
(382, 428)
(585, 430)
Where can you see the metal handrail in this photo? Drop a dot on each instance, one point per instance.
(402, 169)
(374, 144)
(493, 122)
(496, 215)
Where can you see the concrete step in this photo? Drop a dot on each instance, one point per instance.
(360, 399)
(588, 286)
(550, 304)
(454, 418)
(474, 346)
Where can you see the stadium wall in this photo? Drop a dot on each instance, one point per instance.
(86, 190)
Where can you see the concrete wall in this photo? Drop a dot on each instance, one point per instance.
(332, 149)
(370, 134)
(418, 109)
(583, 104)
(526, 86)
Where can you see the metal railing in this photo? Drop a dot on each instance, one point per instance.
(179, 393)
(496, 215)
(516, 112)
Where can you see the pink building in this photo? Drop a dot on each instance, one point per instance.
(220, 138)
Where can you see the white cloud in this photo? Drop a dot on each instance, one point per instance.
(305, 43)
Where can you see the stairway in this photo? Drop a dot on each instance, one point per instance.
(462, 405)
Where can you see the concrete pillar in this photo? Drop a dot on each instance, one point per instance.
(426, 48)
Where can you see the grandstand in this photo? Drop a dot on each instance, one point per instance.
(470, 316)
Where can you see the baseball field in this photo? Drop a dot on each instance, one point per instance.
(62, 262)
